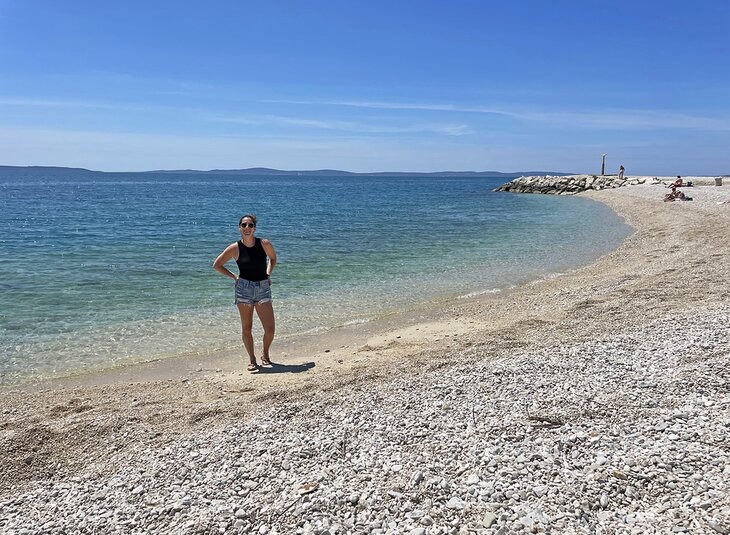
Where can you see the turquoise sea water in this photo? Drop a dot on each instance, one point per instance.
(100, 269)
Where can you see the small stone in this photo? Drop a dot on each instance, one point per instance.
(417, 531)
(603, 516)
(489, 519)
(534, 518)
(455, 503)
(719, 528)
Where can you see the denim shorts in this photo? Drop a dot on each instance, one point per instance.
(250, 292)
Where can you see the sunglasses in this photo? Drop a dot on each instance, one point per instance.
(247, 225)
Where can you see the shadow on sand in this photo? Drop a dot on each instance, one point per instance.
(285, 368)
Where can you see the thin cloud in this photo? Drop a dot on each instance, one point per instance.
(10, 101)
(346, 126)
(607, 119)
(449, 129)
(70, 104)
(600, 119)
(629, 120)
(394, 106)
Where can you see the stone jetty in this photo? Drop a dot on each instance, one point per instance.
(565, 185)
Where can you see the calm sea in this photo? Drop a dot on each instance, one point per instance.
(102, 270)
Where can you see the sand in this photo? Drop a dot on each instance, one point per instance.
(676, 262)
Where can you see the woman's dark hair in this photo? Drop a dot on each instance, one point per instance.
(252, 216)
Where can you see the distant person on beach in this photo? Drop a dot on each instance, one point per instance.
(621, 172)
(676, 195)
(677, 183)
(256, 260)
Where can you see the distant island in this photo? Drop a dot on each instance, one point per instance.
(273, 172)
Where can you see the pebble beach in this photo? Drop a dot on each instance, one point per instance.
(595, 401)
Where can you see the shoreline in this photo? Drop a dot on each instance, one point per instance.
(669, 270)
(228, 360)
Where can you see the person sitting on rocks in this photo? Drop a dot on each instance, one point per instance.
(676, 184)
(679, 183)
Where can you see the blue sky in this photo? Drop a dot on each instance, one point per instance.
(367, 86)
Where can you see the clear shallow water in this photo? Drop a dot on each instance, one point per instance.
(104, 269)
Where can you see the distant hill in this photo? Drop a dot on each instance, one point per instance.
(47, 169)
(273, 172)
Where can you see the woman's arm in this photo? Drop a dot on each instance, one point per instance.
(271, 253)
(228, 254)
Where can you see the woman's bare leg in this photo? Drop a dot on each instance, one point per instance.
(265, 312)
(246, 312)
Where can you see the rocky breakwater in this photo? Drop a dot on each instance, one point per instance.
(564, 185)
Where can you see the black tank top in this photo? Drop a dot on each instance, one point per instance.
(252, 261)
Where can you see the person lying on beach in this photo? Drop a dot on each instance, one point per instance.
(676, 195)
(256, 259)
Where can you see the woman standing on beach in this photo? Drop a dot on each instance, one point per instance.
(256, 259)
